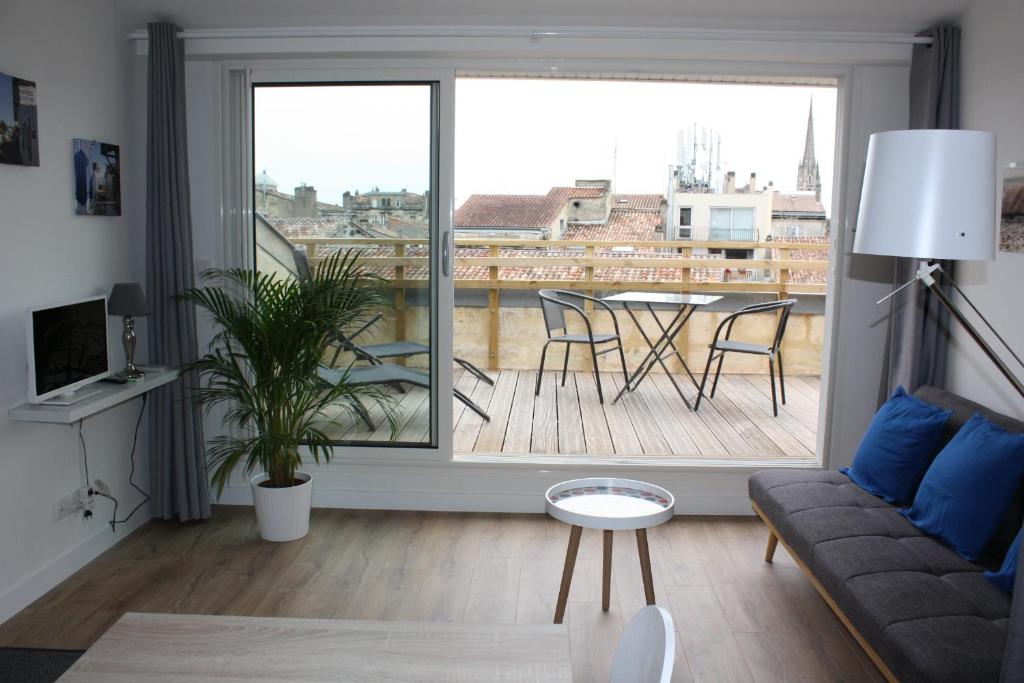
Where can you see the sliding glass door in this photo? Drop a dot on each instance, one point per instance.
(353, 162)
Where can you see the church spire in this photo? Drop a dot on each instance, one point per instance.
(808, 178)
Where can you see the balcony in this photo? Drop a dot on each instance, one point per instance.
(499, 327)
(720, 234)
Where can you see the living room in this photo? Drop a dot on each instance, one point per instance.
(129, 165)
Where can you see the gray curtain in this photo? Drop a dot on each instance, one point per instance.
(179, 482)
(919, 325)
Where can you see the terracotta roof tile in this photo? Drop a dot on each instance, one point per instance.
(508, 211)
(637, 219)
(311, 227)
(566, 193)
(796, 203)
(653, 202)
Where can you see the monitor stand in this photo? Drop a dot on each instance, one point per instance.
(70, 398)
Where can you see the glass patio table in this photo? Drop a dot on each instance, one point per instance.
(662, 347)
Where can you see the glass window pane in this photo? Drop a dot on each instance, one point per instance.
(743, 218)
(721, 218)
(348, 168)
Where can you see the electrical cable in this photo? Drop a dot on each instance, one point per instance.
(114, 521)
(85, 454)
(131, 476)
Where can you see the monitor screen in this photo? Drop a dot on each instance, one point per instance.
(69, 344)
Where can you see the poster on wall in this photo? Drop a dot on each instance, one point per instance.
(97, 178)
(19, 127)
(1011, 229)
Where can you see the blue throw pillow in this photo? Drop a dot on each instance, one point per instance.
(1007, 574)
(969, 487)
(900, 443)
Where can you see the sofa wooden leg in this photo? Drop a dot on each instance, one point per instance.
(773, 543)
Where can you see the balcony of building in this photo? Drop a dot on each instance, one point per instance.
(499, 328)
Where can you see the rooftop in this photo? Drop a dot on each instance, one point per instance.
(508, 211)
(807, 204)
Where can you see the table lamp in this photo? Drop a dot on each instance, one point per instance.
(931, 195)
(127, 299)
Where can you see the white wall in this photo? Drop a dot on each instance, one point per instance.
(77, 55)
(993, 100)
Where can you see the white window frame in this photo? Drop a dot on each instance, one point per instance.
(443, 288)
(707, 487)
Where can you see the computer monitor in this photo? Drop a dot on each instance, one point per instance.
(67, 350)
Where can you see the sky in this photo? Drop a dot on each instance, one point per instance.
(525, 136)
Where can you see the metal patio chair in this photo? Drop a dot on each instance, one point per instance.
(721, 346)
(377, 353)
(554, 305)
(387, 374)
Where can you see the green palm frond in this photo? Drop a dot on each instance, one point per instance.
(273, 334)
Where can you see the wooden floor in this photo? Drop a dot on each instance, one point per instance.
(736, 617)
(652, 421)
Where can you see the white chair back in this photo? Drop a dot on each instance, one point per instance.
(647, 649)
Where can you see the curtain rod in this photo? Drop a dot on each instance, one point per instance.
(538, 34)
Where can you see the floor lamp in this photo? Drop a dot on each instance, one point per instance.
(931, 195)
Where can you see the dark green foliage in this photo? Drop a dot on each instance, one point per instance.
(262, 365)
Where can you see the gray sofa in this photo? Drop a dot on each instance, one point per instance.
(920, 611)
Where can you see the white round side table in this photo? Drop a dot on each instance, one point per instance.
(609, 504)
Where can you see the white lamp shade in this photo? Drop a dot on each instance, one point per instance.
(929, 194)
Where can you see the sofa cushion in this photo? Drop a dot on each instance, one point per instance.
(969, 487)
(917, 602)
(1006, 575)
(963, 410)
(897, 448)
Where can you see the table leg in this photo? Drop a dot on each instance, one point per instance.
(647, 357)
(645, 564)
(651, 357)
(570, 564)
(606, 581)
(670, 336)
(665, 342)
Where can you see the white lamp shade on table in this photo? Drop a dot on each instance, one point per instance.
(929, 194)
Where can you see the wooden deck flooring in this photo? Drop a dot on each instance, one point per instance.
(653, 422)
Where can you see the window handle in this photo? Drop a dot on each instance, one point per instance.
(446, 253)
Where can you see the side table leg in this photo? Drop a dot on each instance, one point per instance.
(606, 582)
(570, 564)
(645, 564)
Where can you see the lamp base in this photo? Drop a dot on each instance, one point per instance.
(130, 374)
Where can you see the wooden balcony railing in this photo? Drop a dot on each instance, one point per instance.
(586, 260)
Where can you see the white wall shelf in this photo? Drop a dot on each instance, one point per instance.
(109, 396)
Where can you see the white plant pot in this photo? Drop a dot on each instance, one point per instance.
(283, 514)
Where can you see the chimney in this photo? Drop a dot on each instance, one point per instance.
(730, 182)
(304, 205)
(753, 183)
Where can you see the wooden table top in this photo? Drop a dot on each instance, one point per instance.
(195, 648)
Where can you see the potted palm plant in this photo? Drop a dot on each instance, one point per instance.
(274, 334)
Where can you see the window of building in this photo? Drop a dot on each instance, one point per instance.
(685, 216)
(793, 230)
(733, 223)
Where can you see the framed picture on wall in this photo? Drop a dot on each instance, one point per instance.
(97, 178)
(19, 123)
(1011, 228)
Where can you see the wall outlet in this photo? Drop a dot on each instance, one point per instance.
(78, 500)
